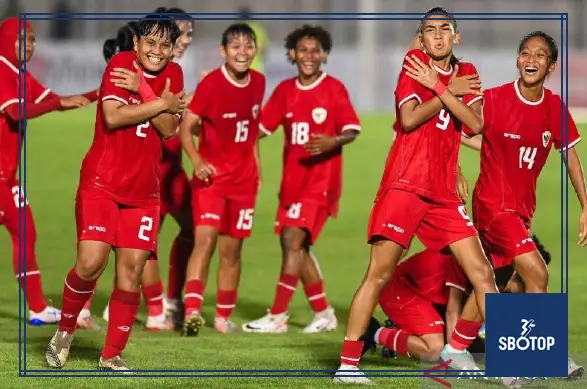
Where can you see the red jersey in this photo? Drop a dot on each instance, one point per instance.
(10, 139)
(517, 137)
(324, 107)
(229, 131)
(424, 161)
(428, 274)
(124, 163)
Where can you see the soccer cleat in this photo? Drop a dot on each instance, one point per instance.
(106, 314)
(225, 326)
(575, 371)
(369, 343)
(113, 364)
(159, 323)
(268, 324)
(192, 324)
(49, 315)
(174, 310)
(58, 349)
(324, 321)
(518, 382)
(458, 360)
(85, 320)
(482, 332)
(348, 374)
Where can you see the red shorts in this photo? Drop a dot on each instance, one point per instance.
(230, 216)
(411, 312)
(398, 215)
(306, 215)
(175, 189)
(104, 220)
(506, 237)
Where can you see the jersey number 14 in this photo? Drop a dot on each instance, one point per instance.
(527, 156)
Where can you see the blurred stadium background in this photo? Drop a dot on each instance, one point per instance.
(69, 54)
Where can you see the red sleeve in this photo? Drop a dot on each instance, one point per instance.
(91, 95)
(407, 88)
(176, 78)
(455, 277)
(200, 104)
(273, 112)
(346, 116)
(467, 70)
(38, 91)
(559, 125)
(488, 103)
(108, 91)
(34, 110)
(9, 89)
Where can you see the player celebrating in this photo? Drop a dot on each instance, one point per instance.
(418, 194)
(319, 119)
(504, 199)
(39, 101)
(225, 113)
(117, 204)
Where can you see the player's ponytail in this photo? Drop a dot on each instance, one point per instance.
(109, 48)
(122, 42)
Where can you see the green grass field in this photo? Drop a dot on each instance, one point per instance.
(56, 145)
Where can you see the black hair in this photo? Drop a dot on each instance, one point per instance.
(177, 14)
(443, 12)
(122, 42)
(307, 31)
(158, 24)
(547, 38)
(542, 250)
(237, 29)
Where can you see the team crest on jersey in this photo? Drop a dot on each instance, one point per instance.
(319, 115)
(255, 111)
(546, 135)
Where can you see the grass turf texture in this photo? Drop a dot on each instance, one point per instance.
(56, 145)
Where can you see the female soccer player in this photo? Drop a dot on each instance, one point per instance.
(117, 203)
(418, 194)
(319, 119)
(175, 193)
(39, 101)
(225, 113)
(522, 123)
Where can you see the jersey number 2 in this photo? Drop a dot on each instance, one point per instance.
(146, 226)
(143, 126)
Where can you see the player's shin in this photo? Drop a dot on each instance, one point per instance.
(152, 288)
(467, 327)
(384, 257)
(76, 292)
(178, 259)
(229, 272)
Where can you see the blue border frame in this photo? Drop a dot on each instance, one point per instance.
(304, 16)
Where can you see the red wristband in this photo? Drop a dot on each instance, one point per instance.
(439, 88)
(146, 92)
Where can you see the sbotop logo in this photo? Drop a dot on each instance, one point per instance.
(525, 341)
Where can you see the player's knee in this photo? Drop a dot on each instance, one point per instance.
(434, 348)
(230, 254)
(482, 274)
(292, 239)
(90, 265)
(130, 270)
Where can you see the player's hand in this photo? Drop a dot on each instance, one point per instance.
(76, 101)
(425, 74)
(583, 229)
(126, 79)
(174, 102)
(462, 187)
(469, 84)
(203, 170)
(320, 143)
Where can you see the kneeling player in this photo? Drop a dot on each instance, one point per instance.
(318, 119)
(422, 286)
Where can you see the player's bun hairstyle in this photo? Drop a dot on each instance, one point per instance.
(442, 12)
(545, 254)
(307, 31)
(547, 38)
(237, 29)
(122, 42)
(177, 14)
(158, 24)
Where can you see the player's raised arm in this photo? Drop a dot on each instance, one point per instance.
(472, 143)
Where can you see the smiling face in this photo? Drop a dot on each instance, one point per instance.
(185, 38)
(154, 51)
(535, 61)
(308, 56)
(437, 36)
(239, 53)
